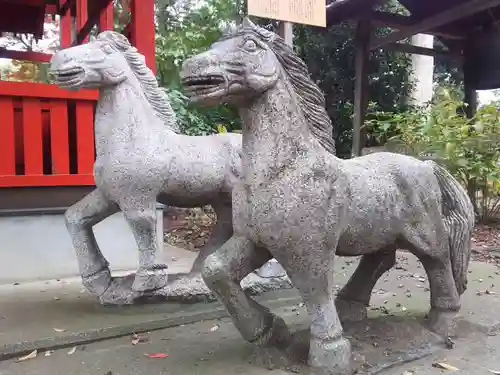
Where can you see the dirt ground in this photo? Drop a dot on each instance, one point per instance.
(189, 229)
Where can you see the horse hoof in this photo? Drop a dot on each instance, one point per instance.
(150, 279)
(119, 293)
(275, 335)
(350, 311)
(442, 322)
(331, 357)
(98, 283)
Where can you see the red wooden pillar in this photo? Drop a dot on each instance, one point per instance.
(107, 18)
(66, 27)
(142, 30)
(82, 15)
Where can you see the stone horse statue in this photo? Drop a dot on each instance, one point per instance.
(141, 159)
(301, 204)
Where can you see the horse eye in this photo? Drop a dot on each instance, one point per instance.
(250, 45)
(107, 49)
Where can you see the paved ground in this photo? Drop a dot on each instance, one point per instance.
(215, 348)
(60, 312)
(197, 348)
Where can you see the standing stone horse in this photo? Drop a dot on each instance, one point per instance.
(301, 204)
(141, 159)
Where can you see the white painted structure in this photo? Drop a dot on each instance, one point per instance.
(38, 247)
(422, 70)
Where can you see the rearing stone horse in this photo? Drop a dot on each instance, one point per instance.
(301, 204)
(141, 159)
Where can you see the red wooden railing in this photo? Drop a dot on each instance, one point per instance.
(47, 135)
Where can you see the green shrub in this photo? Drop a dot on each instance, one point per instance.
(469, 148)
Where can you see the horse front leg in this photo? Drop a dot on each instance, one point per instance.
(221, 232)
(223, 271)
(140, 213)
(309, 264)
(80, 218)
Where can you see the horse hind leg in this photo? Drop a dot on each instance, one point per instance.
(80, 218)
(140, 213)
(432, 248)
(353, 299)
(221, 232)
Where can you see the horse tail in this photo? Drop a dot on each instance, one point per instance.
(459, 219)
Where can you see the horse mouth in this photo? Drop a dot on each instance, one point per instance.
(69, 77)
(202, 86)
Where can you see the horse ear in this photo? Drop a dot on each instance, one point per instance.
(105, 35)
(247, 23)
(118, 40)
(226, 29)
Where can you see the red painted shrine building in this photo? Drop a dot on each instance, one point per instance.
(47, 134)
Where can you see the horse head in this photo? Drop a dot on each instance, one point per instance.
(241, 65)
(106, 62)
(248, 61)
(99, 63)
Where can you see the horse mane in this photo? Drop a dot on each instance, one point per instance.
(311, 99)
(156, 97)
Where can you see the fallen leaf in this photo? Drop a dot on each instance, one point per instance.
(157, 356)
(496, 372)
(56, 298)
(409, 372)
(444, 366)
(32, 355)
(450, 344)
(59, 330)
(72, 351)
(214, 328)
(136, 339)
(48, 353)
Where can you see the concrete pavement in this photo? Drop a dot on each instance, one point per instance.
(214, 347)
(31, 318)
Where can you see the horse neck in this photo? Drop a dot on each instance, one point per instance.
(275, 133)
(124, 115)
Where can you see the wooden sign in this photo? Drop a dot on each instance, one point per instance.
(307, 12)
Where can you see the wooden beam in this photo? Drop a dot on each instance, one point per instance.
(25, 55)
(400, 22)
(417, 50)
(362, 40)
(341, 10)
(451, 14)
(64, 6)
(51, 9)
